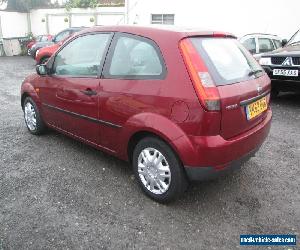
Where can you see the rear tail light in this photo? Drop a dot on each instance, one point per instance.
(204, 86)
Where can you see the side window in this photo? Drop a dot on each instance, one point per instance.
(135, 58)
(82, 56)
(265, 45)
(44, 38)
(277, 43)
(39, 38)
(61, 36)
(250, 45)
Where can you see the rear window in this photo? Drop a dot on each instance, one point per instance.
(227, 60)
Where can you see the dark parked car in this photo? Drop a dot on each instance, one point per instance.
(283, 65)
(179, 105)
(61, 36)
(41, 38)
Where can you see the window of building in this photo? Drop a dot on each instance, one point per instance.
(162, 19)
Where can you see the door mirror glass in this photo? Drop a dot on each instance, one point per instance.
(284, 42)
(41, 69)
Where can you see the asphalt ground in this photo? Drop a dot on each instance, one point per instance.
(57, 193)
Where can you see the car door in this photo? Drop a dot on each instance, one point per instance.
(70, 94)
(130, 83)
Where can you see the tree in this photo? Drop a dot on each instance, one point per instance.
(93, 3)
(25, 5)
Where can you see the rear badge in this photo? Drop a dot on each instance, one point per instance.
(259, 89)
(231, 107)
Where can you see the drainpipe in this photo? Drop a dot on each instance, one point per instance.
(127, 11)
(28, 22)
(70, 19)
(47, 24)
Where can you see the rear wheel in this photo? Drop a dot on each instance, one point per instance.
(32, 117)
(158, 170)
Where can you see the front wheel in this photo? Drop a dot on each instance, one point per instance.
(158, 170)
(32, 117)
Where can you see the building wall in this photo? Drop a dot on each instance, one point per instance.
(77, 17)
(44, 21)
(13, 24)
(236, 16)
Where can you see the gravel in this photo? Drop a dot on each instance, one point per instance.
(56, 192)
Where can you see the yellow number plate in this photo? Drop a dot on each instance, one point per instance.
(256, 108)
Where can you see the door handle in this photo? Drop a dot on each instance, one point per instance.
(89, 92)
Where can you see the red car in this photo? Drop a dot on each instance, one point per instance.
(43, 54)
(42, 38)
(179, 105)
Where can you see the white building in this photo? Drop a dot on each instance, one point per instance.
(236, 16)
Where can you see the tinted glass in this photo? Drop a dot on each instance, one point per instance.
(135, 57)
(227, 59)
(44, 39)
(250, 45)
(277, 43)
(61, 36)
(265, 45)
(82, 56)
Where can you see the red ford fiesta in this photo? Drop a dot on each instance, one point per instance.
(179, 105)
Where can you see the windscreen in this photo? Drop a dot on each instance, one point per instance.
(227, 60)
(295, 38)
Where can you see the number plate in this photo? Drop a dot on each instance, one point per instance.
(256, 108)
(285, 72)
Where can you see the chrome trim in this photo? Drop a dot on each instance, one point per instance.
(248, 101)
(83, 116)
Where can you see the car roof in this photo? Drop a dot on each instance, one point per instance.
(260, 35)
(154, 30)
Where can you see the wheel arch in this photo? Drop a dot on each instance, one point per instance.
(23, 97)
(138, 136)
(154, 125)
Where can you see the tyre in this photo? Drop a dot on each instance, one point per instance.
(32, 117)
(158, 170)
(44, 60)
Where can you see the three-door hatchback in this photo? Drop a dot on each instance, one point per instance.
(179, 105)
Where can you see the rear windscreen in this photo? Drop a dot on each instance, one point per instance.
(227, 60)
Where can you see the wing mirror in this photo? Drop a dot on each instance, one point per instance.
(284, 42)
(41, 69)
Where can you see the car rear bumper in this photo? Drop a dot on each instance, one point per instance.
(215, 155)
(208, 173)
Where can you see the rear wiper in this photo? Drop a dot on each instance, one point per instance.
(254, 72)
